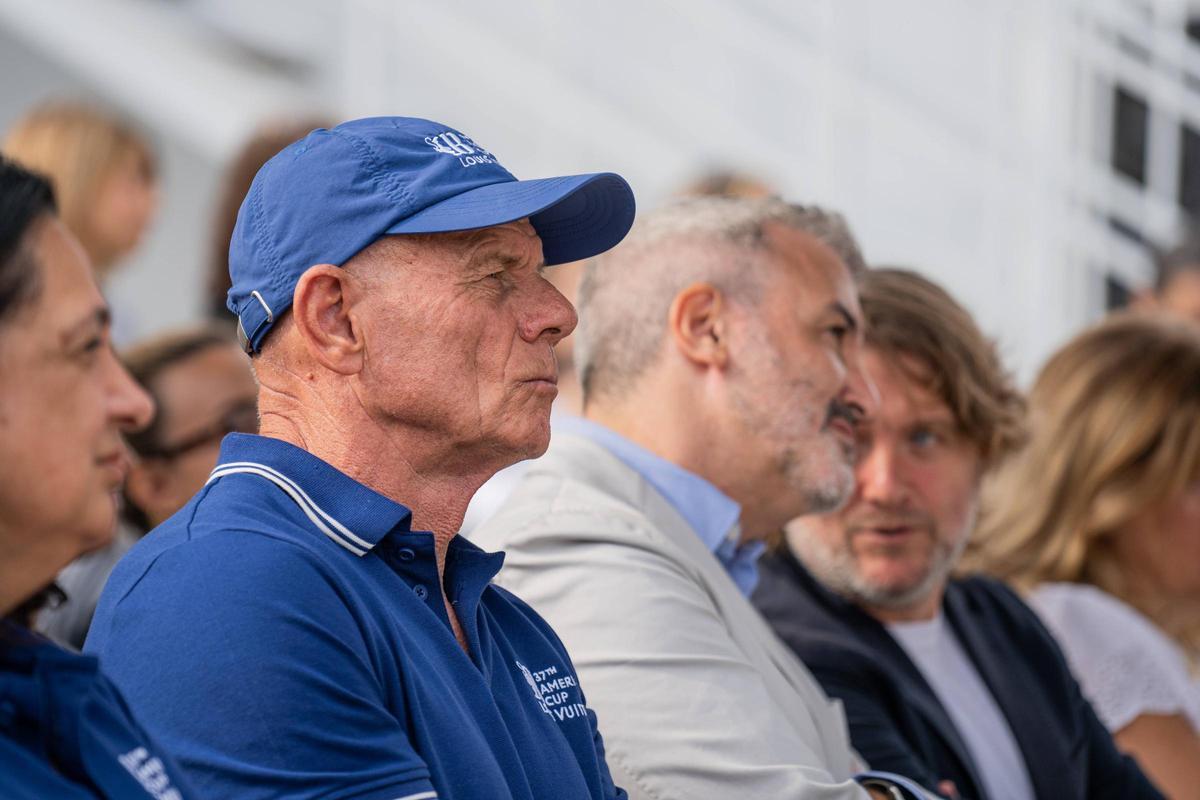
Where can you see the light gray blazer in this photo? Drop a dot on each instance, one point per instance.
(697, 699)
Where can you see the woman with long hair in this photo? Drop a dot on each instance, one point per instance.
(102, 171)
(65, 731)
(1098, 520)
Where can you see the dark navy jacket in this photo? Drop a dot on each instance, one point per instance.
(66, 734)
(896, 720)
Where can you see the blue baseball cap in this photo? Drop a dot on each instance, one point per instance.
(326, 197)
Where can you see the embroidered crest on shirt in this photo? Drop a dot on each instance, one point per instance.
(557, 693)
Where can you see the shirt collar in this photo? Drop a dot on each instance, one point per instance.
(711, 513)
(349, 513)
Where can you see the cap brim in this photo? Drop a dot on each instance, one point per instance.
(577, 216)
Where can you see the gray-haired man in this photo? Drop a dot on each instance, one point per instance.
(717, 352)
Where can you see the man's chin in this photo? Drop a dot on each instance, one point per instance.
(103, 530)
(828, 494)
(531, 446)
(894, 588)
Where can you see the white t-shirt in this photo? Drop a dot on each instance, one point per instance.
(1126, 666)
(936, 651)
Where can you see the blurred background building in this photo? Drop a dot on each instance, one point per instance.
(1027, 153)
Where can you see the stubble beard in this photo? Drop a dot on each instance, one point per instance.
(804, 453)
(824, 480)
(837, 569)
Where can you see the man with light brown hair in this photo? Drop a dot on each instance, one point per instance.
(950, 681)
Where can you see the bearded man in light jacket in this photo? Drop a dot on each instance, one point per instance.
(717, 350)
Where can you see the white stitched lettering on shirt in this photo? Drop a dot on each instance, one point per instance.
(150, 773)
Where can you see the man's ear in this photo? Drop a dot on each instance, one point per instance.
(699, 325)
(323, 313)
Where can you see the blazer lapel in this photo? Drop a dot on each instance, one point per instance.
(1006, 676)
(917, 690)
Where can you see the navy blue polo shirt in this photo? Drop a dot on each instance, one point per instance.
(285, 635)
(66, 733)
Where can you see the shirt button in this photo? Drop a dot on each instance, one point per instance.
(405, 554)
(420, 591)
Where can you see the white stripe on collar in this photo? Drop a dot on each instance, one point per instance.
(324, 522)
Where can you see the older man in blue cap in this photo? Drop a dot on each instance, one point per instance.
(310, 625)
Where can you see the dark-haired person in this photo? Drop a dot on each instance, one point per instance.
(65, 731)
(203, 389)
(953, 681)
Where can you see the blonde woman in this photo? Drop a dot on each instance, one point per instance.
(102, 170)
(1098, 519)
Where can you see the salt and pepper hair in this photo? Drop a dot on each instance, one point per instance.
(626, 294)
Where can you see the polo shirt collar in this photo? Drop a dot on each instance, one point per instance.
(351, 514)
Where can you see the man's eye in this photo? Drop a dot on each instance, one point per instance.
(924, 438)
(839, 332)
(92, 346)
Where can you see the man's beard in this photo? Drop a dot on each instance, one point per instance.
(818, 468)
(824, 490)
(837, 568)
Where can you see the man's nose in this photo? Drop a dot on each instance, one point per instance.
(860, 390)
(878, 477)
(550, 315)
(130, 406)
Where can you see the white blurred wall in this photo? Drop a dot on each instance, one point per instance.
(965, 138)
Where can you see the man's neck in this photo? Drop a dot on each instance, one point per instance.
(24, 572)
(684, 438)
(408, 473)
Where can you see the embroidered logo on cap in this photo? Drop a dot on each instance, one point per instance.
(461, 147)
